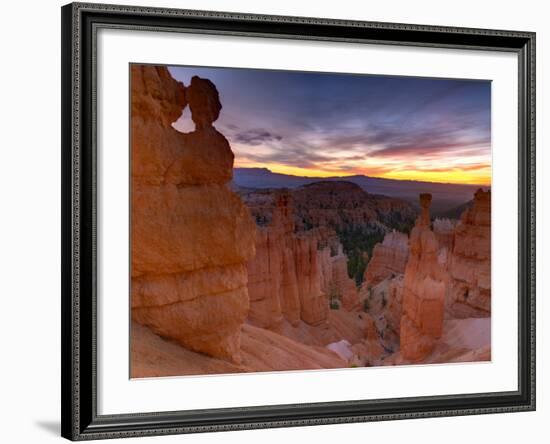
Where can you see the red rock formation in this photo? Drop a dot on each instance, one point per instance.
(241, 297)
(373, 343)
(423, 290)
(469, 293)
(332, 204)
(284, 275)
(383, 302)
(291, 276)
(191, 236)
(388, 258)
(290, 299)
(265, 278)
(272, 281)
(313, 302)
(340, 277)
(335, 281)
(395, 305)
(463, 340)
(261, 350)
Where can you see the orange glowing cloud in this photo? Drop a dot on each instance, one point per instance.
(326, 124)
(451, 170)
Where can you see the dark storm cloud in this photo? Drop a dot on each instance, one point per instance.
(310, 120)
(256, 137)
(290, 155)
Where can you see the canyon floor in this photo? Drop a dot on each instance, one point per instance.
(263, 350)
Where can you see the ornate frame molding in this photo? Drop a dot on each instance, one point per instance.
(80, 22)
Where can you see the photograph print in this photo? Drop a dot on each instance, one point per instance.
(299, 221)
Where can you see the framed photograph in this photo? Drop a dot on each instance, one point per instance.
(282, 221)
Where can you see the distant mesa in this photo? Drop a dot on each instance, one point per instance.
(251, 171)
(445, 196)
(337, 204)
(334, 185)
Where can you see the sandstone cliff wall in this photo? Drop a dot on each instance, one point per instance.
(447, 275)
(191, 237)
(285, 274)
(388, 258)
(469, 292)
(335, 281)
(294, 274)
(273, 282)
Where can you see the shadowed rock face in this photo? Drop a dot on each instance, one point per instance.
(388, 258)
(335, 278)
(191, 235)
(159, 95)
(469, 293)
(424, 218)
(204, 101)
(444, 230)
(332, 204)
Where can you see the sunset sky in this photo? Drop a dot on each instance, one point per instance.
(319, 124)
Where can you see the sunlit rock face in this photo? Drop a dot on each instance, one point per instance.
(191, 235)
(423, 290)
(469, 293)
(272, 279)
(313, 302)
(388, 258)
(285, 273)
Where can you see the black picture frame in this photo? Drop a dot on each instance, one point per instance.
(78, 333)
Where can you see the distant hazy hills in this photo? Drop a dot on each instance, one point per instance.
(445, 196)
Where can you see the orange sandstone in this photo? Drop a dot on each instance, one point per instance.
(423, 290)
(388, 258)
(469, 292)
(191, 235)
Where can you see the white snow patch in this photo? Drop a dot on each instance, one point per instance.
(342, 348)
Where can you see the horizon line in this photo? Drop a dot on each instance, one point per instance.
(489, 185)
